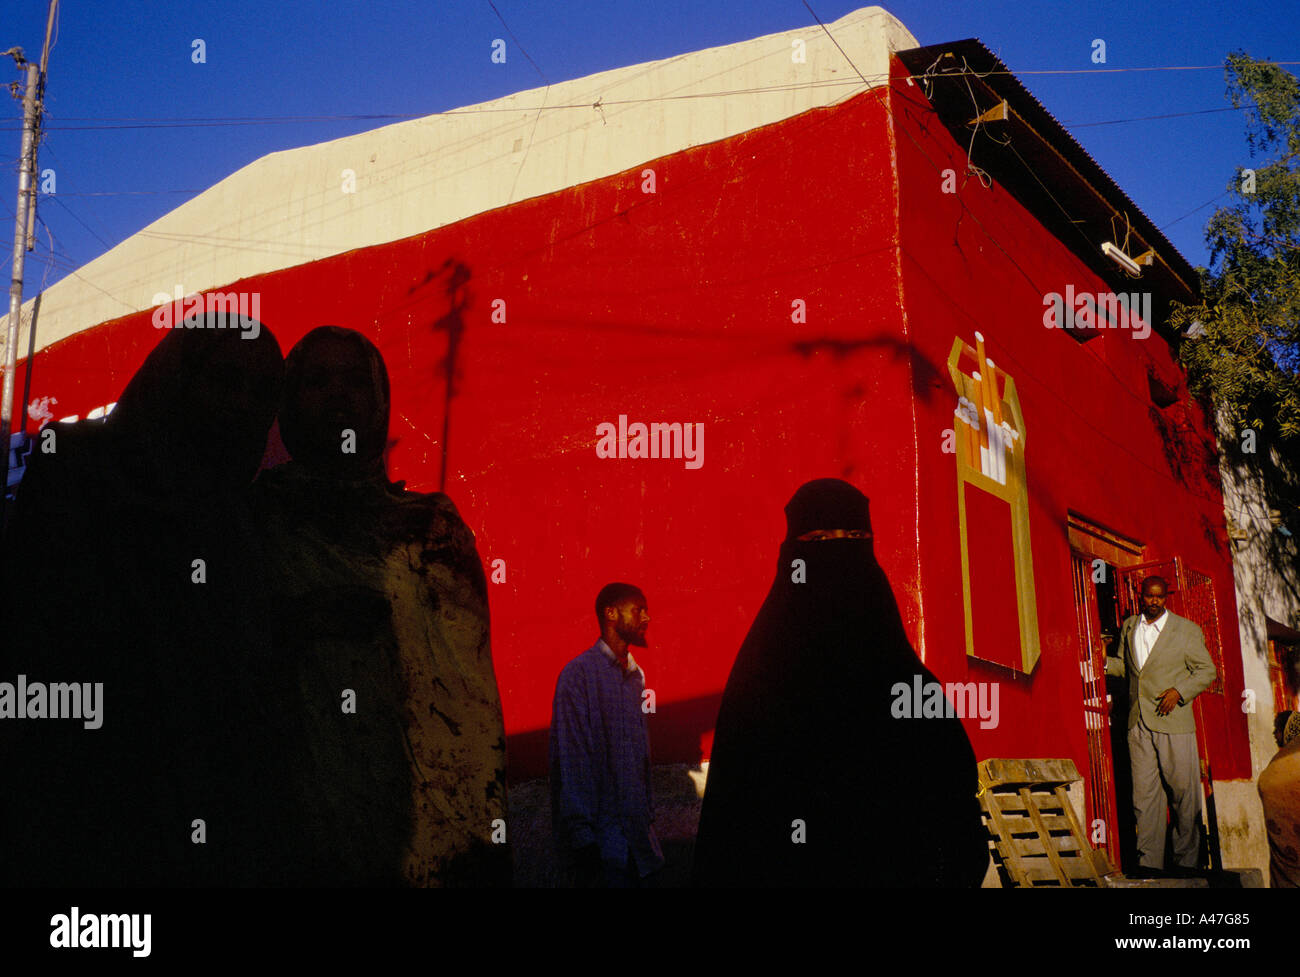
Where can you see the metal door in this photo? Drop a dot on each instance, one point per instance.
(1100, 792)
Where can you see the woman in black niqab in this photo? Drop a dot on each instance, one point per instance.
(101, 554)
(812, 781)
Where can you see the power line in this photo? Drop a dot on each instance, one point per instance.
(1048, 388)
(1051, 196)
(120, 193)
(813, 122)
(1195, 209)
(425, 160)
(221, 121)
(399, 166)
(181, 122)
(1152, 118)
(835, 42)
(517, 44)
(536, 119)
(404, 165)
(68, 210)
(248, 240)
(277, 244)
(76, 274)
(55, 198)
(1101, 71)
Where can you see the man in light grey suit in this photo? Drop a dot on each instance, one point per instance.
(1167, 665)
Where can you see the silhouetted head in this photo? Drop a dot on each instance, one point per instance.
(1286, 727)
(623, 617)
(833, 592)
(334, 416)
(199, 408)
(827, 508)
(1154, 591)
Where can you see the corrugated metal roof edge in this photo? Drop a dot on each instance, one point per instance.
(1019, 98)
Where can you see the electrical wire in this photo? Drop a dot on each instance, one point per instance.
(836, 43)
(75, 272)
(426, 161)
(447, 148)
(1195, 209)
(58, 260)
(537, 118)
(1152, 118)
(184, 122)
(218, 121)
(68, 210)
(123, 193)
(276, 246)
(517, 44)
(245, 242)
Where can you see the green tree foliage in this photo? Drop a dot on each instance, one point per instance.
(1248, 358)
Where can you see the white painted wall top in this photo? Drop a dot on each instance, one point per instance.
(289, 208)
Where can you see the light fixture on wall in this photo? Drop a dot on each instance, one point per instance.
(1120, 258)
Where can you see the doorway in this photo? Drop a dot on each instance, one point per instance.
(1098, 558)
(1109, 826)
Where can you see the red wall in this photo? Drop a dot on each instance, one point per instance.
(676, 307)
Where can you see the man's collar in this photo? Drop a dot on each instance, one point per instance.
(608, 652)
(1159, 622)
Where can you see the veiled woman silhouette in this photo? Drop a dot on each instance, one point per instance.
(132, 556)
(812, 781)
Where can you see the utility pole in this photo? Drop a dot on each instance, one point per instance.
(40, 105)
(24, 229)
(26, 167)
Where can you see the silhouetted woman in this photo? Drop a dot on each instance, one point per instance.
(812, 780)
(382, 609)
(132, 561)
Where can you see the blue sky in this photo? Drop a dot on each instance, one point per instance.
(121, 68)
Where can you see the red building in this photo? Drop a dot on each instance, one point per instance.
(805, 293)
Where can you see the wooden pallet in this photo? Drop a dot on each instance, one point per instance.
(1037, 840)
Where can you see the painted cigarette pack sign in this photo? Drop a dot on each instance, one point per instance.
(997, 570)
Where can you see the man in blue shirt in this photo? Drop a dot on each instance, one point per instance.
(601, 806)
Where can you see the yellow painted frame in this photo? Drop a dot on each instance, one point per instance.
(1015, 493)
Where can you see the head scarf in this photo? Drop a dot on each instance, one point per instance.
(298, 429)
(193, 419)
(1292, 729)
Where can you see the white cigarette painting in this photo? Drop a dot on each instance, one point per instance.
(988, 436)
(1001, 439)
